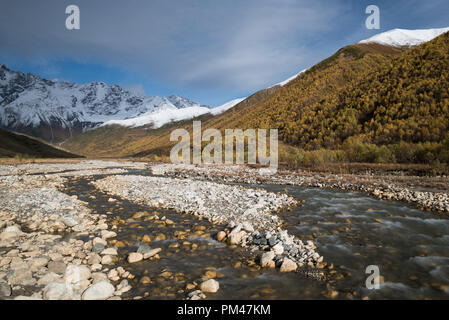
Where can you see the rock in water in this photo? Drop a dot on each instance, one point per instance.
(221, 235)
(151, 253)
(210, 285)
(135, 257)
(236, 237)
(57, 267)
(100, 291)
(266, 261)
(288, 265)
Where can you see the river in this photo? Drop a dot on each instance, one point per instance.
(351, 231)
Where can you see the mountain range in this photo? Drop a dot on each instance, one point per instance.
(57, 110)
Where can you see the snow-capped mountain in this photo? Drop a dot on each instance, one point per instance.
(160, 117)
(57, 110)
(404, 37)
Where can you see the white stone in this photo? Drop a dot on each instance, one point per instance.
(99, 291)
(135, 257)
(247, 226)
(278, 249)
(288, 265)
(110, 251)
(266, 261)
(75, 274)
(107, 259)
(58, 291)
(99, 241)
(210, 285)
(236, 237)
(105, 234)
(151, 253)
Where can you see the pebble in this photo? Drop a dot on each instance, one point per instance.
(288, 265)
(135, 257)
(221, 235)
(58, 291)
(211, 274)
(209, 286)
(110, 251)
(145, 280)
(99, 291)
(266, 260)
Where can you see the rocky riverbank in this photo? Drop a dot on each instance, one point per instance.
(51, 246)
(80, 168)
(428, 195)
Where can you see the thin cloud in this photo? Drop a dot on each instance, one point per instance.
(220, 45)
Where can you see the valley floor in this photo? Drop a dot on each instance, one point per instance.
(91, 229)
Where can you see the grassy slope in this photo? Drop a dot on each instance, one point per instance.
(12, 144)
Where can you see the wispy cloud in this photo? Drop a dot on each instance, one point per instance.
(192, 43)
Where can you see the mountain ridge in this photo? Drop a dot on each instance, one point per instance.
(56, 110)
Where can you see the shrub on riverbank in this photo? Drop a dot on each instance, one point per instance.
(356, 151)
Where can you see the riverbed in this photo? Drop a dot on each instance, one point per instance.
(351, 230)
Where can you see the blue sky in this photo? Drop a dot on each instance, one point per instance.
(211, 51)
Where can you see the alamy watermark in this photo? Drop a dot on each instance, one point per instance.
(373, 20)
(374, 278)
(250, 144)
(72, 22)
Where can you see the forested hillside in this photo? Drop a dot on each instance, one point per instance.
(367, 102)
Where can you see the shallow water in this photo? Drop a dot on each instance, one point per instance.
(187, 265)
(352, 231)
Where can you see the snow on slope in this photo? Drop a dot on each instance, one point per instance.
(283, 83)
(158, 118)
(161, 117)
(225, 106)
(404, 37)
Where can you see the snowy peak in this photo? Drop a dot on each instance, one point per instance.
(56, 110)
(404, 37)
(181, 102)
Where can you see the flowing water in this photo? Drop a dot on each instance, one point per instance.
(351, 231)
